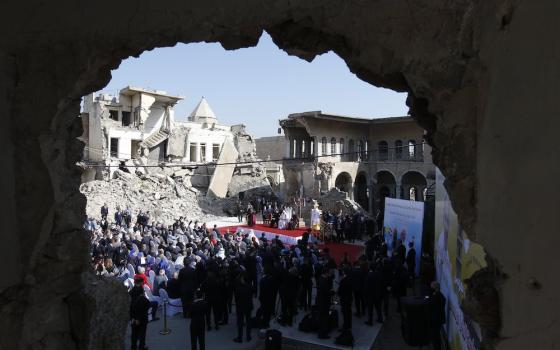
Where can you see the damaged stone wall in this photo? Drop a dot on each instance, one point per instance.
(482, 78)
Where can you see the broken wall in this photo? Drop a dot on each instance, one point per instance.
(482, 79)
(223, 172)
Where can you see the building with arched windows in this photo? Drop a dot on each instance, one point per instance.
(368, 158)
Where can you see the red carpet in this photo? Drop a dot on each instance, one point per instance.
(290, 237)
(337, 251)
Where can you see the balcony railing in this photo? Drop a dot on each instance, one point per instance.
(395, 154)
(364, 157)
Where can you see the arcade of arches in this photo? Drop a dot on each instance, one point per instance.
(481, 76)
(412, 185)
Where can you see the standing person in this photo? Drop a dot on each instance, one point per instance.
(119, 216)
(401, 251)
(306, 274)
(187, 279)
(243, 307)
(345, 294)
(211, 288)
(373, 292)
(358, 280)
(387, 275)
(348, 228)
(411, 261)
(139, 306)
(437, 314)
(289, 290)
(127, 216)
(266, 297)
(400, 282)
(104, 211)
(199, 310)
(324, 302)
(239, 212)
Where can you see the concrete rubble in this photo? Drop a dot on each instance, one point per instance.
(334, 201)
(164, 197)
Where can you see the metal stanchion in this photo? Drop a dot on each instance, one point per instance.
(165, 330)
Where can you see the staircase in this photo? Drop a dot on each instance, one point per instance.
(155, 139)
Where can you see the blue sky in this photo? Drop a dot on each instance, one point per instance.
(255, 86)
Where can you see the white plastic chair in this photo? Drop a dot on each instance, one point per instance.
(151, 277)
(131, 270)
(174, 306)
(150, 296)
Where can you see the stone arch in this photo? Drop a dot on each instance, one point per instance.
(386, 185)
(361, 192)
(413, 180)
(343, 182)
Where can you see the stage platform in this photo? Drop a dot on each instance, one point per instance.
(290, 237)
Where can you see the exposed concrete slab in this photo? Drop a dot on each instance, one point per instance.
(222, 174)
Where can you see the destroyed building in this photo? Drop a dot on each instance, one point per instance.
(369, 159)
(271, 150)
(137, 132)
(135, 126)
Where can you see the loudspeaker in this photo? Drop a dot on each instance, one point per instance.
(416, 321)
(273, 340)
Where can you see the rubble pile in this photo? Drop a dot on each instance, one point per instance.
(334, 201)
(166, 198)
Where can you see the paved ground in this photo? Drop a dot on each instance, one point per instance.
(179, 338)
(388, 338)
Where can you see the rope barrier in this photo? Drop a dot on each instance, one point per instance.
(165, 330)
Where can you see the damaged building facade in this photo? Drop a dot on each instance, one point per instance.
(132, 129)
(138, 131)
(369, 159)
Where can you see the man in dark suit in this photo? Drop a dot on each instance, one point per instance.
(358, 278)
(211, 288)
(324, 289)
(139, 306)
(345, 294)
(243, 307)
(437, 314)
(266, 297)
(199, 309)
(104, 211)
(174, 287)
(306, 275)
(188, 281)
(373, 292)
(411, 261)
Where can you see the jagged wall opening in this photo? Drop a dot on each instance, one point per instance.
(458, 60)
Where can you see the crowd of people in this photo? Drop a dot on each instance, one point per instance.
(211, 271)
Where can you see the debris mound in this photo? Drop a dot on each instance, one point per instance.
(164, 197)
